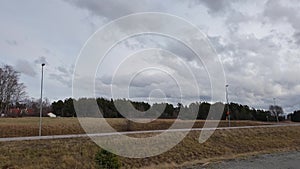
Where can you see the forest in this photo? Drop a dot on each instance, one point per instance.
(169, 111)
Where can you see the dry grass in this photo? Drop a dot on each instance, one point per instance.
(79, 153)
(18, 127)
(224, 144)
(64, 153)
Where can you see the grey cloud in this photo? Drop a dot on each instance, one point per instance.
(117, 8)
(205, 97)
(107, 80)
(276, 11)
(60, 78)
(214, 6)
(288, 79)
(49, 52)
(12, 42)
(216, 43)
(40, 60)
(144, 84)
(63, 70)
(138, 93)
(25, 67)
(103, 90)
(156, 41)
(166, 43)
(236, 17)
(176, 63)
(290, 101)
(63, 75)
(141, 80)
(180, 50)
(297, 37)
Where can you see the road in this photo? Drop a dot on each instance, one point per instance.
(134, 132)
(288, 160)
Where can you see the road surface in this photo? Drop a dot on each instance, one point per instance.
(288, 160)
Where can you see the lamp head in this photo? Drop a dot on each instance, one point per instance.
(43, 64)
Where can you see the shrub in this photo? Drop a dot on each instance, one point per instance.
(106, 160)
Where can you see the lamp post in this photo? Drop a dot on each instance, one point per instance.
(275, 111)
(41, 101)
(228, 113)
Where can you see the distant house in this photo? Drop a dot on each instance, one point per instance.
(14, 112)
(51, 115)
(17, 112)
(30, 112)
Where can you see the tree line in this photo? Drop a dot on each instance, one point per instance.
(295, 116)
(161, 110)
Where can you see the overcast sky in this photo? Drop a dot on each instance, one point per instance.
(258, 43)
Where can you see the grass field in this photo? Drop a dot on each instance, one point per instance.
(18, 127)
(79, 153)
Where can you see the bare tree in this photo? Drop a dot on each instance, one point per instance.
(11, 91)
(276, 111)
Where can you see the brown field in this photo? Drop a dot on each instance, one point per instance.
(80, 152)
(19, 127)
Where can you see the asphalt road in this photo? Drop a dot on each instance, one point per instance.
(288, 160)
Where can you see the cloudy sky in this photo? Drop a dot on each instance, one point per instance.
(258, 43)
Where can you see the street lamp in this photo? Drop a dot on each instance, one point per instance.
(41, 101)
(275, 111)
(228, 113)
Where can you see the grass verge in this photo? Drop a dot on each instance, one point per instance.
(80, 152)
